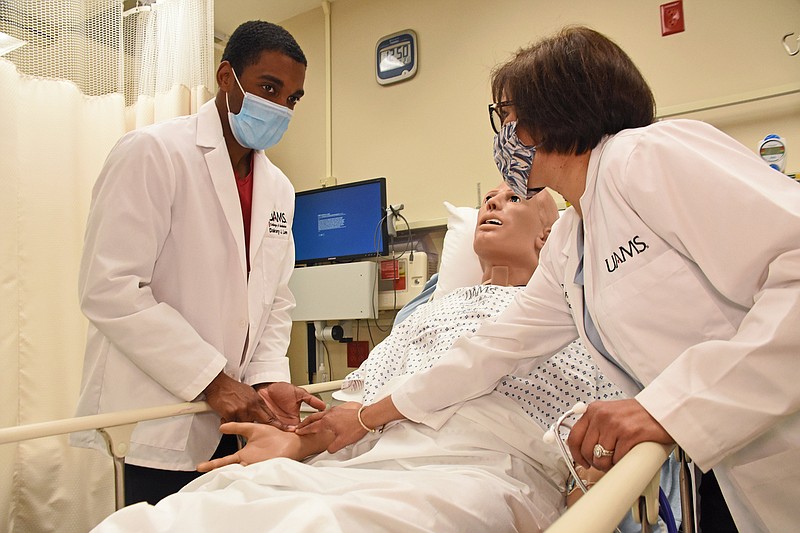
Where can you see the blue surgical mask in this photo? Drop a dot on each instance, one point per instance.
(514, 160)
(260, 123)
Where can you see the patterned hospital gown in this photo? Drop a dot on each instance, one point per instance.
(425, 336)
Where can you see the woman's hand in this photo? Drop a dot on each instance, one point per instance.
(341, 421)
(284, 400)
(617, 426)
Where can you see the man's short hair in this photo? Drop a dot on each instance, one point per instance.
(252, 38)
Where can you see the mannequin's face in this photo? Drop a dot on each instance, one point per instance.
(507, 228)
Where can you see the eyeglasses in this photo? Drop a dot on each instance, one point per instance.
(497, 115)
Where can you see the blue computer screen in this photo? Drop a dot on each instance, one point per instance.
(342, 222)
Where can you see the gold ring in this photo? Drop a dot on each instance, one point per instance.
(599, 451)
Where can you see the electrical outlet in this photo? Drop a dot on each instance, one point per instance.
(357, 352)
(672, 18)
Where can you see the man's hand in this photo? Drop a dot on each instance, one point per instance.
(284, 399)
(237, 402)
(263, 442)
(617, 426)
(341, 421)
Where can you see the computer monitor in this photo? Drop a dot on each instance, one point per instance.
(341, 223)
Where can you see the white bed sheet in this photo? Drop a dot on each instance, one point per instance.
(486, 469)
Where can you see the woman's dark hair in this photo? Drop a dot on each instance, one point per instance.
(249, 40)
(500, 77)
(571, 89)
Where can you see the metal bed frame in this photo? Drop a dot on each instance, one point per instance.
(633, 482)
(116, 428)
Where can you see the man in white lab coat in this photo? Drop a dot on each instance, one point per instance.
(188, 253)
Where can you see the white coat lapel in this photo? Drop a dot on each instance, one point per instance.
(573, 291)
(575, 297)
(209, 134)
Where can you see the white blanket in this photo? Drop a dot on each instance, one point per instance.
(482, 471)
(485, 469)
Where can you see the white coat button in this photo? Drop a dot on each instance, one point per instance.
(243, 323)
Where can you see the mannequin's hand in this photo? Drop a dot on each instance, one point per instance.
(263, 442)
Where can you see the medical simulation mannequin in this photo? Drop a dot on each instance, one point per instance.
(505, 225)
(679, 264)
(185, 269)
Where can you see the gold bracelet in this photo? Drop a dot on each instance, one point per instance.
(363, 425)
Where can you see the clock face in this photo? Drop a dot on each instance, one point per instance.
(772, 150)
(396, 57)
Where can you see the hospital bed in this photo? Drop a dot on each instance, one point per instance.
(632, 482)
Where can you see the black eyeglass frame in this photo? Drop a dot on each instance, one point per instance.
(494, 109)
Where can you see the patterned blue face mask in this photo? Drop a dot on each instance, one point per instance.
(514, 161)
(260, 123)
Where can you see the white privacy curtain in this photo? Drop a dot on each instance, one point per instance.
(62, 108)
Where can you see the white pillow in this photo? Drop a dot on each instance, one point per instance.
(460, 266)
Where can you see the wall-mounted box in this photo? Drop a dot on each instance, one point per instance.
(335, 292)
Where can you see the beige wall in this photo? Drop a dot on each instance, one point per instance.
(430, 135)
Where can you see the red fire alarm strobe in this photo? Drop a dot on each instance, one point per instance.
(672, 18)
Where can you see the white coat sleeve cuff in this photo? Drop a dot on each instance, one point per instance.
(683, 425)
(194, 389)
(267, 372)
(434, 420)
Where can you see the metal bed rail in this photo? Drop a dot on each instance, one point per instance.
(632, 483)
(117, 428)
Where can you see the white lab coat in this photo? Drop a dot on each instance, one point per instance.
(164, 284)
(692, 276)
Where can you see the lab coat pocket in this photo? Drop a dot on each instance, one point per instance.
(167, 433)
(768, 486)
(659, 309)
(126, 386)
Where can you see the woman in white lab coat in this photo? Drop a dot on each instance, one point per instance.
(678, 265)
(183, 301)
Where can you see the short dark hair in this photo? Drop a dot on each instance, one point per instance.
(500, 77)
(252, 38)
(571, 89)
